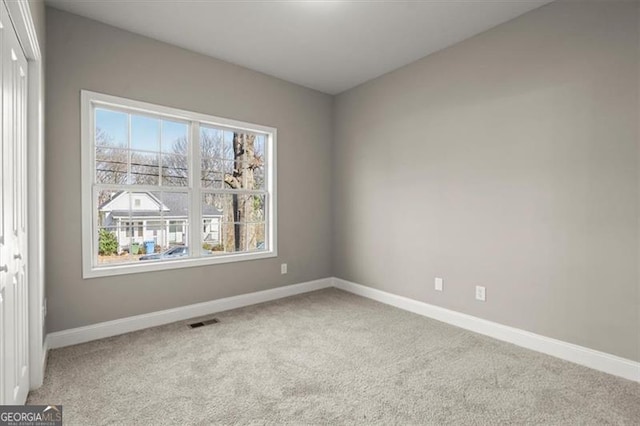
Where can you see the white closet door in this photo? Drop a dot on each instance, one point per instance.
(14, 327)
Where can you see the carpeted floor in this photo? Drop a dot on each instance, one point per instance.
(326, 357)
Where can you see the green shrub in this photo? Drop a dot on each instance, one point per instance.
(107, 242)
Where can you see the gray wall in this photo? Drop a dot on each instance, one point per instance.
(83, 54)
(509, 160)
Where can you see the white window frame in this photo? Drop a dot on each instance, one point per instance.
(89, 101)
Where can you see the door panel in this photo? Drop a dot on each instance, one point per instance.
(4, 268)
(3, 334)
(14, 327)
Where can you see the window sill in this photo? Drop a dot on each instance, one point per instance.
(151, 266)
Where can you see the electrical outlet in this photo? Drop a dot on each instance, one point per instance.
(439, 284)
(283, 268)
(481, 293)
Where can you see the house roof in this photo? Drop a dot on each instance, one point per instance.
(144, 214)
(173, 204)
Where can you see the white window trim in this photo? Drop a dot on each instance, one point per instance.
(89, 100)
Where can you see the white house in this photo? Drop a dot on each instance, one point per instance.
(136, 217)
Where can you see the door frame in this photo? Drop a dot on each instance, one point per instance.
(22, 19)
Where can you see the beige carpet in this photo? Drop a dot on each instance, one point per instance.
(326, 357)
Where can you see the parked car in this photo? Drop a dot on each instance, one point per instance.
(172, 252)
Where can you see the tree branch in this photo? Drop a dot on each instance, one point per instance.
(232, 181)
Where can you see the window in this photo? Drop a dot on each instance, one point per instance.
(158, 181)
(133, 229)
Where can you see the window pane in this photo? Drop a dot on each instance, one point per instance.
(175, 137)
(225, 241)
(175, 170)
(112, 213)
(259, 181)
(153, 239)
(256, 236)
(145, 205)
(154, 235)
(229, 167)
(111, 165)
(215, 209)
(116, 229)
(164, 242)
(252, 175)
(145, 133)
(235, 237)
(178, 232)
(212, 179)
(173, 230)
(211, 230)
(260, 145)
(175, 205)
(248, 208)
(227, 148)
(112, 207)
(243, 154)
(258, 164)
(146, 218)
(113, 245)
(144, 168)
(233, 223)
(212, 173)
(211, 143)
(234, 207)
(246, 171)
(219, 205)
(244, 208)
(240, 175)
(111, 128)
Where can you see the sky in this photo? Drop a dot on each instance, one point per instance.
(148, 133)
(145, 131)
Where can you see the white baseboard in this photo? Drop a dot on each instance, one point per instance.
(591, 358)
(597, 360)
(101, 330)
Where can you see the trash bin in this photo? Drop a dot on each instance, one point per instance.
(150, 246)
(135, 248)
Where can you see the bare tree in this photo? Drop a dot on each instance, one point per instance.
(112, 163)
(245, 162)
(175, 170)
(233, 166)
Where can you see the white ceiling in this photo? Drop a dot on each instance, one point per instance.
(330, 46)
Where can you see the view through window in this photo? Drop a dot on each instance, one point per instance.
(154, 175)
